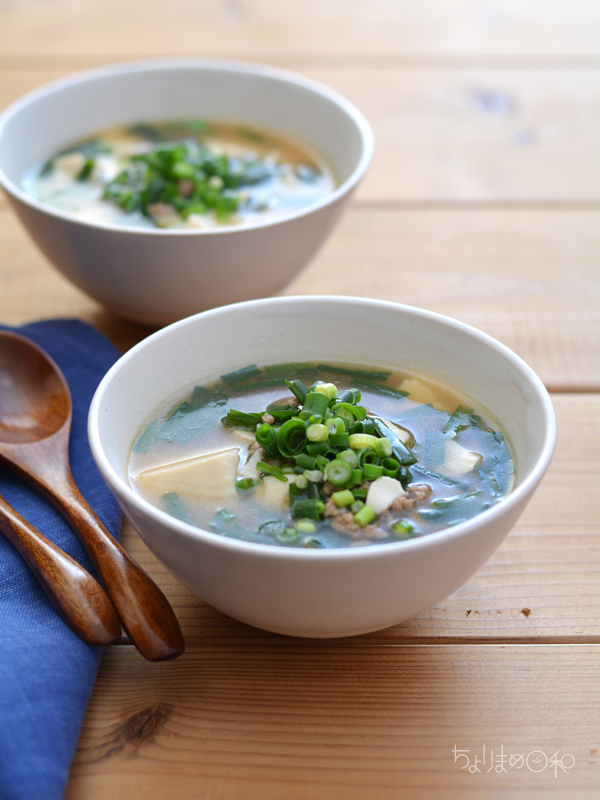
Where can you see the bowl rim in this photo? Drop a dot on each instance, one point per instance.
(167, 64)
(187, 531)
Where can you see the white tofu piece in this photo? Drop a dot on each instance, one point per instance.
(459, 460)
(382, 493)
(420, 392)
(247, 437)
(211, 475)
(273, 493)
(71, 164)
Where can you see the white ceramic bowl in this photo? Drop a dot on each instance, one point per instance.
(157, 276)
(321, 593)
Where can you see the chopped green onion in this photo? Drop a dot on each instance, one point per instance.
(301, 482)
(282, 413)
(317, 433)
(349, 396)
(383, 448)
(390, 467)
(365, 515)
(356, 506)
(360, 440)
(349, 456)
(314, 403)
(372, 471)
(87, 169)
(356, 478)
(270, 469)
(305, 461)
(402, 529)
(306, 526)
(245, 483)
(335, 425)
(338, 472)
(311, 508)
(298, 389)
(287, 535)
(313, 475)
(291, 437)
(367, 455)
(328, 389)
(399, 449)
(316, 448)
(349, 411)
(339, 439)
(266, 436)
(344, 498)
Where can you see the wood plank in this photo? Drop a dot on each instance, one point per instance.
(528, 278)
(499, 28)
(264, 723)
(467, 136)
(542, 583)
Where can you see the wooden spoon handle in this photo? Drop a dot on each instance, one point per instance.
(143, 609)
(77, 597)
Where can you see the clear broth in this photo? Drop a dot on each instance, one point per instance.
(430, 412)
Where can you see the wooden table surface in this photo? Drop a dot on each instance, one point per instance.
(482, 203)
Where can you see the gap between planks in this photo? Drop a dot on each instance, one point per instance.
(340, 61)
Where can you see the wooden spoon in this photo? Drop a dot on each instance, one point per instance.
(78, 598)
(35, 424)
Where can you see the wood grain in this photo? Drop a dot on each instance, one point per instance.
(522, 29)
(481, 203)
(527, 277)
(459, 136)
(340, 724)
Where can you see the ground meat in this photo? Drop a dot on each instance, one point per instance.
(163, 214)
(402, 503)
(332, 509)
(342, 521)
(286, 401)
(420, 491)
(328, 489)
(185, 187)
(254, 447)
(269, 418)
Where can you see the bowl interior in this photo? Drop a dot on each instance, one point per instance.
(199, 349)
(55, 116)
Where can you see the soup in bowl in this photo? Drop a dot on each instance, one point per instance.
(413, 444)
(162, 188)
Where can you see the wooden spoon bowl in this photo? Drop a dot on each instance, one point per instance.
(35, 424)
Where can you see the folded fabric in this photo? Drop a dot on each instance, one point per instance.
(46, 671)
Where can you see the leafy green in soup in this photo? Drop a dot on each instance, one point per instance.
(321, 455)
(185, 174)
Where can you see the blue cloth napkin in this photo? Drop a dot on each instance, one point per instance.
(46, 671)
